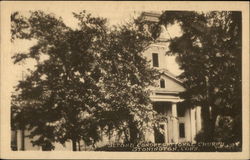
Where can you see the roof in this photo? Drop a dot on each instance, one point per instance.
(171, 75)
(151, 16)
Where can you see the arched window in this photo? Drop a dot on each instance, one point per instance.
(162, 83)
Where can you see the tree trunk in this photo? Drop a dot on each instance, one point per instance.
(22, 140)
(133, 132)
(208, 115)
(207, 125)
(213, 121)
(79, 145)
(74, 145)
(126, 132)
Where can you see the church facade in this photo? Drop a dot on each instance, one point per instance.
(182, 122)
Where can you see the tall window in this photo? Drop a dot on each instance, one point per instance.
(182, 130)
(181, 110)
(155, 60)
(162, 83)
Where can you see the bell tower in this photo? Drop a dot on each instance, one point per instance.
(156, 53)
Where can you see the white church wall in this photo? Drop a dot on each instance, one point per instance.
(160, 50)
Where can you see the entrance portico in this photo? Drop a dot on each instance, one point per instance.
(167, 105)
(182, 122)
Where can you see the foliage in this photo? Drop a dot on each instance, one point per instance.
(209, 52)
(94, 79)
(127, 81)
(225, 129)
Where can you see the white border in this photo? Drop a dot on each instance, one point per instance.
(8, 6)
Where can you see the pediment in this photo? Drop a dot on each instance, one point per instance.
(172, 84)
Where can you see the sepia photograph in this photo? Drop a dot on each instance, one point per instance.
(125, 77)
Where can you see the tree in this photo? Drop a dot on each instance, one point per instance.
(126, 84)
(58, 95)
(94, 79)
(209, 52)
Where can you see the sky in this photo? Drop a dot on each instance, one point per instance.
(116, 14)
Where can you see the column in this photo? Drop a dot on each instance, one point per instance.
(68, 146)
(198, 119)
(175, 123)
(149, 135)
(192, 124)
(20, 140)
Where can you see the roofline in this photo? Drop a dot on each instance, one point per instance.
(155, 14)
(173, 77)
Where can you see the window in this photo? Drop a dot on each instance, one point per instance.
(155, 60)
(162, 83)
(180, 110)
(182, 130)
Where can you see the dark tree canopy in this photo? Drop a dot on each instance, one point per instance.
(95, 79)
(209, 52)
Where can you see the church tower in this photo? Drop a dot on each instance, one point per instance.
(156, 52)
(180, 124)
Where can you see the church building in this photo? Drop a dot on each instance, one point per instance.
(183, 122)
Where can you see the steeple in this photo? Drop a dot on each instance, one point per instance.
(153, 17)
(164, 35)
